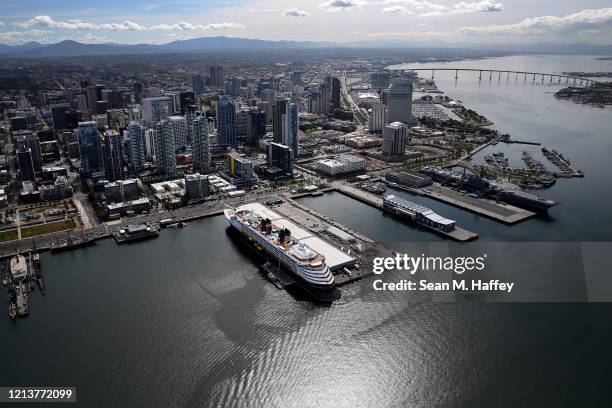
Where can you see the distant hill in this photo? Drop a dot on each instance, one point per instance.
(204, 44)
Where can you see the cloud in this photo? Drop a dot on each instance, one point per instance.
(397, 9)
(20, 37)
(150, 6)
(293, 12)
(92, 39)
(48, 22)
(592, 21)
(337, 5)
(484, 6)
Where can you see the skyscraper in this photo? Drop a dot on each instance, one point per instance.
(137, 146)
(165, 156)
(113, 155)
(197, 82)
(335, 92)
(279, 110)
(180, 132)
(201, 145)
(32, 142)
(285, 126)
(380, 80)
(378, 118)
(90, 150)
(400, 100)
(25, 164)
(395, 137)
(156, 109)
(217, 76)
(226, 121)
(138, 92)
(256, 127)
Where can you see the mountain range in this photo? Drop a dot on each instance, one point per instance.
(206, 44)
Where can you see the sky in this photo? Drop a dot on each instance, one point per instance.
(158, 21)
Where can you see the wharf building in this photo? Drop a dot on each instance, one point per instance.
(201, 145)
(91, 150)
(196, 186)
(137, 146)
(113, 155)
(226, 121)
(395, 137)
(165, 156)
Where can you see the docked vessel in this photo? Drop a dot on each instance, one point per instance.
(374, 187)
(72, 243)
(22, 300)
(135, 232)
(304, 263)
(417, 213)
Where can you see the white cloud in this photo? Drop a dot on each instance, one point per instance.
(92, 39)
(20, 37)
(337, 5)
(150, 6)
(48, 22)
(293, 12)
(593, 21)
(484, 6)
(397, 9)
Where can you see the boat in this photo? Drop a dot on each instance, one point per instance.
(19, 268)
(135, 232)
(22, 300)
(374, 187)
(71, 243)
(303, 262)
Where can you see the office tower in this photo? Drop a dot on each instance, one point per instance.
(156, 109)
(235, 86)
(25, 163)
(58, 113)
(117, 119)
(90, 150)
(226, 121)
(32, 142)
(335, 93)
(240, 169)
(380, 80)
(138, 92)
(242, 123)
(378, 118)
(281, 157)
(295, 80)
(113, 155)
(137, 146)
(201, 145)
(286, 124)
(197, 82)
(191, 112)
(101, 120)
(196, 186)
(115, 99)
(165, 156)
(81, 102)
(279, 111)
(179, 130)
(175, 102)
(256, 126)
(92, 97)
(400, 100)
(217, 76)
(395, 138)
(185, 99)
(150, 137)
(121, 190)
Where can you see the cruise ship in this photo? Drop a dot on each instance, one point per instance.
(306, 264)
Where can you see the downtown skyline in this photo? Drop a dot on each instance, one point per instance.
(338, 21)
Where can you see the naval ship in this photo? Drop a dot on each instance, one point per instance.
(304, 263)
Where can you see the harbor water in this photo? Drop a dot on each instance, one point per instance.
(189, 320)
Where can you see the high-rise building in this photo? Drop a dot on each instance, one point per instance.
(165, 153)
(137, 146)
(242, 123)
(58, 113)
(185, 99)
(286, 124)
(217, 76)
(32, 142)
(256, 127)
(395, 138)
(335, 93)
(156, 109)
(138, 92)
(295, 80)
(400, 100)
(226, 121)
(196, 186)
(113, 155)
(150, 137)
(240, 169)
(279, 112)
(25, 163)
(197, 82)
(280, 157)
(380, 80)
(90, 150)
(201, 145)
(180, 131)
(378, 118)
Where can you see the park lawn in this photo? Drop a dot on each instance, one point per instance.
(8, 235)
(47, 228)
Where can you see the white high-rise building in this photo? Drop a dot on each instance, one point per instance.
(400, 100)
(395, 138)
(291, 127)
(180, 131)
(201, 145)
(150, 136)
(137, 146)
(378, 118)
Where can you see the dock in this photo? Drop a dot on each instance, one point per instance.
(501, 212)
(374, 200)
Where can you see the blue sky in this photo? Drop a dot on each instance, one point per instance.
(317, 20)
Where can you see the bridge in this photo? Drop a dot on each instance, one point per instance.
(500, 74)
